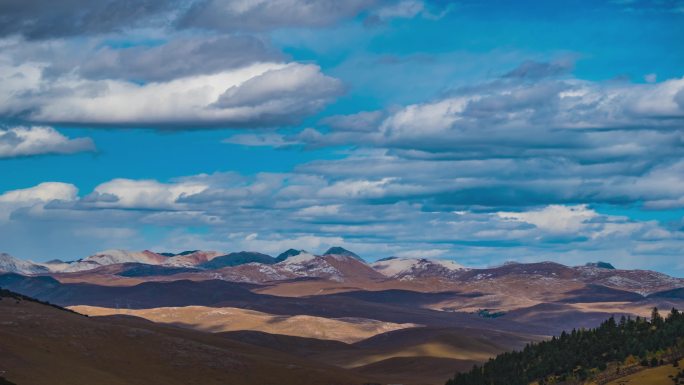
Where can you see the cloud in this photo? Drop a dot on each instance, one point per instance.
(513, 144)
(137, 65)
(560, 105)
(537, 70)
(256, 140)
(360, 121)
(44, 192)
(554, 218)
(497, 170)
(273, 212)
(498, 183)
(260, 15)
(650, 7)
(362, 188)
(257, 95)
(175, 82)
(144, 194)
(661, 188)
(37, 196)
(316, 211)
(182, 218)
(46, 19)
(294, 90)
(262, 219)
(39, 140)
(106, 233)
(513, 118)
(181, 57)
(405, 9)
(430, 253)
(651, 78)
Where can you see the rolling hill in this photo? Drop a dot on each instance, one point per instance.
(584, 355)
(41, 344)
(397, 320)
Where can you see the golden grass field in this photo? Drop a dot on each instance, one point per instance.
(226, 319)
(652, 376)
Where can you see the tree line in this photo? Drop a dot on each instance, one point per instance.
(579, 354)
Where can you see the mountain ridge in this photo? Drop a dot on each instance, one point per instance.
(335, 265)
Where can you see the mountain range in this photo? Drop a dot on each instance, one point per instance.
(394, 320)
(336, 265)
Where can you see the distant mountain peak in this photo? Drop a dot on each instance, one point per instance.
(182, 253)
(410, 268)
(288, 253)
(117, 256)
(342, 251)
(601, 265)
(236, 259)
(10, 264)
(187, 252)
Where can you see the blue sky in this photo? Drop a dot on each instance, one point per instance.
(476, 131)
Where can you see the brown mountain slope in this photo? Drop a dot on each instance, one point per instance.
(40, 345)
(216, 293)
(420, 370)
(408, 356)
(456, 343)
(298, 346)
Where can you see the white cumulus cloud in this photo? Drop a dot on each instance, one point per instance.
(38, 140)
(255, 95)
(142, 194)
(43, 192)
(37, 196)
(554, 218)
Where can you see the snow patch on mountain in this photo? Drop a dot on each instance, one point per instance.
(309, 265)
(112, 257)
(297, 260)
(10, 264)
(191, 259)
(71, 267)
(413, 267)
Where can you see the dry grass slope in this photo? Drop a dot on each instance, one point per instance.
(654, 376)
(44, 345)
(231, 319)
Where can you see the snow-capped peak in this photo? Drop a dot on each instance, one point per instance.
(192, 258)
(394, 266)
(449, 264)
(10, 264)
(302, 257)
(116, 256)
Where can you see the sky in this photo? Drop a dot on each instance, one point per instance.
(478, 131)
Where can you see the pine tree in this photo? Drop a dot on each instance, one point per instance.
(573, 356)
